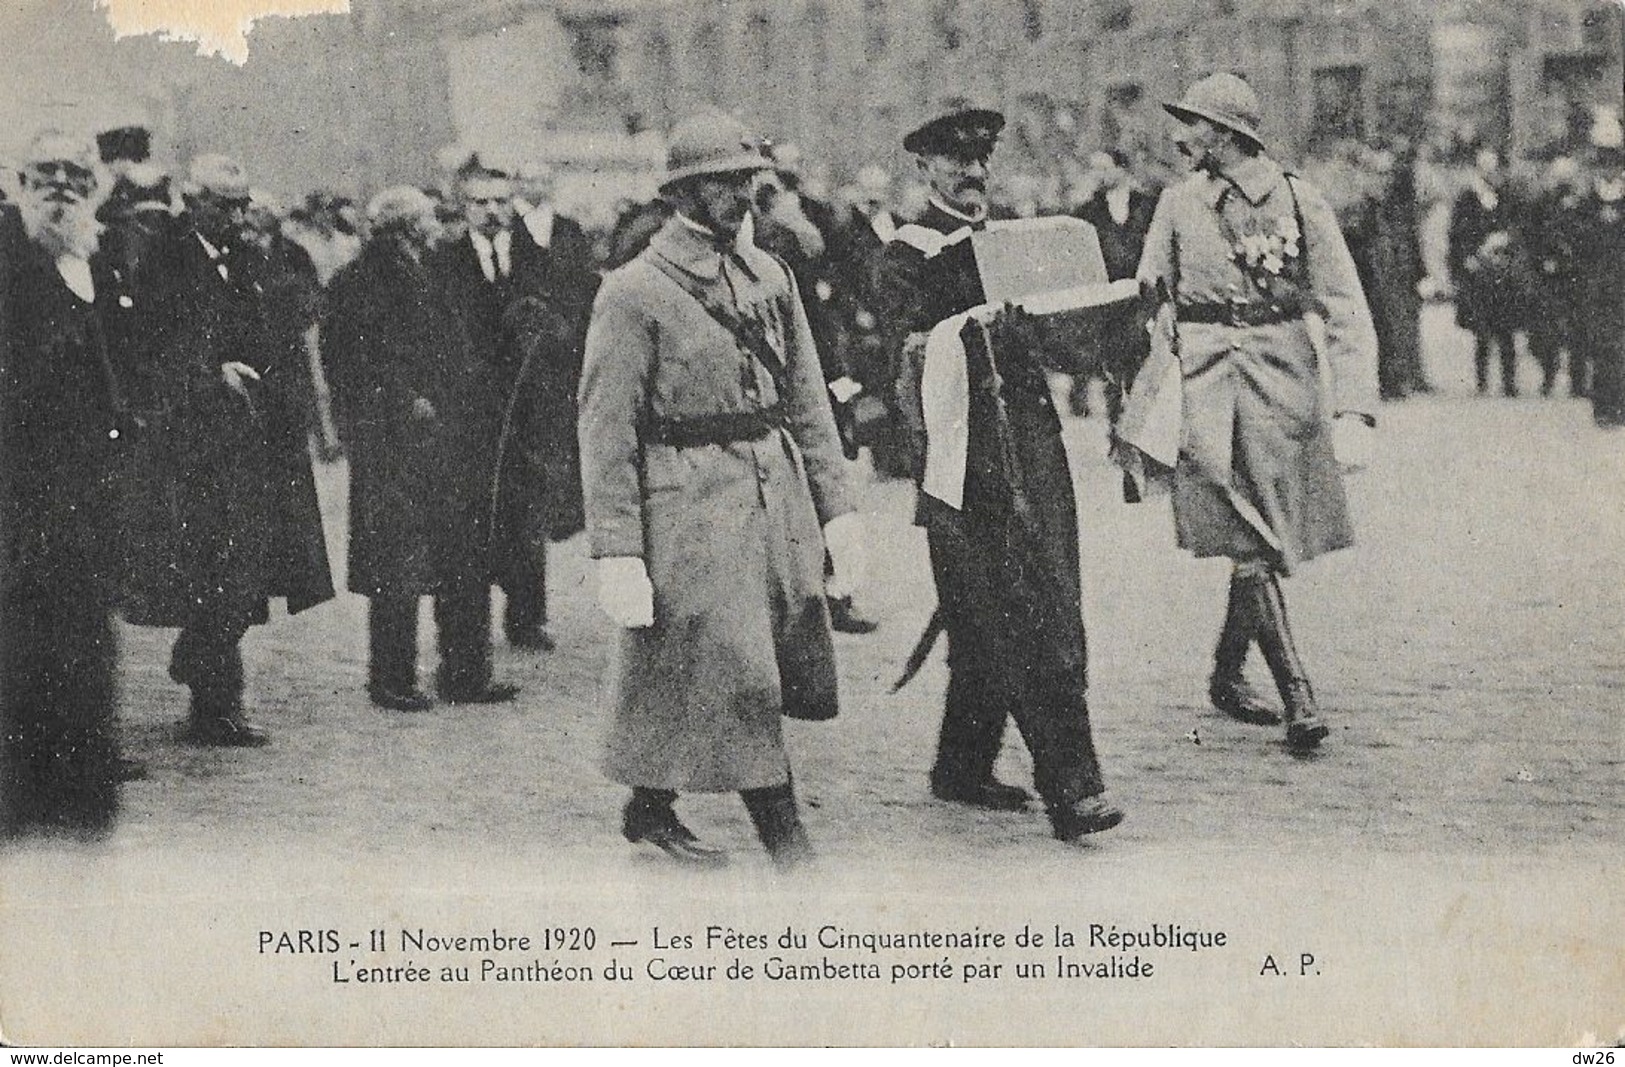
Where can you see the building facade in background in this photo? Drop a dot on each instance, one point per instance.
(396, 88)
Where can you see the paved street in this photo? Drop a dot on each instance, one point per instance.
(1468, 652)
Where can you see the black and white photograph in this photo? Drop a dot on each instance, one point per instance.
(812, 523)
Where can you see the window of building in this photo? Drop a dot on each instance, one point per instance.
(1600, 29)
(876, 30)
(759, 40)
(657, 59)
(947, 23)
(815, 31)
(1339, 96)
(706, 61)
(1032, 19)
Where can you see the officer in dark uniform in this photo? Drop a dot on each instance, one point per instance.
(1006, 560)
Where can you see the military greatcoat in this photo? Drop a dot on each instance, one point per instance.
(730, 532)
(1256, 477)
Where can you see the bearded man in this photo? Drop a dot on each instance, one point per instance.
(59, 434)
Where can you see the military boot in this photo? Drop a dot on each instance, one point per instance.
(778, 823)
(1228, 687)
(1304, 727)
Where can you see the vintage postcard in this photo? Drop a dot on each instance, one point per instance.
(365, 271)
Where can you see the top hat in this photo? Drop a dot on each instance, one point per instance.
(971, 132)
(132, 144)
(1224, 100)
(711, 143)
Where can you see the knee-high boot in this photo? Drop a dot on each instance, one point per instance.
(778, 823)
(1304, 727)
(1228, 688)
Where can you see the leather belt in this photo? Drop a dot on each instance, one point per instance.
(726, 428)
(1238, 313)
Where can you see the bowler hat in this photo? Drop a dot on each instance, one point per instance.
(220, 175)
(1224, 100)
(711, 143)
(967, 132)
(131, 144)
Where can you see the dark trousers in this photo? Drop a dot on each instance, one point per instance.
(526, 592)
(392, 643)
(1546, 344)
(1502, 343)
(994, 674)
(208, 658)
(1606, 355)
(58, 746)
(462, 617)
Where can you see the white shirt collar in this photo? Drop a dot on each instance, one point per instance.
(955, 212)
(539, 224)
(75, 271)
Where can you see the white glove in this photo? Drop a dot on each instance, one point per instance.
(848, 557)
(844, 389)
(1353, 441)
(624, 592)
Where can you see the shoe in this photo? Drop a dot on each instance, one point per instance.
(490, 693)
(1305, 729)
(534, 638)
(1091, 815)
(1241, 701)
(400, 699)
(844, 618)
(666, 832)
(225, 731)
(992, 794)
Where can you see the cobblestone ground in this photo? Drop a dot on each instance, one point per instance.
(1452, 856)
(1469, 652)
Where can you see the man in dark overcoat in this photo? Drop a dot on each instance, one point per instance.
(1602, 274)
(1005, 557)
(60, 433)
(410, 397)
(1555, 228)
(1264, 351)
(1397, 269)
(522, 307)
(233, 516)
(1489, 269)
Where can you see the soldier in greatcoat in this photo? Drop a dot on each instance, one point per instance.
(60, 436)
(410, 397)
(222, 512)
(1265, 330)
(710, 463)
(1005, 557)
